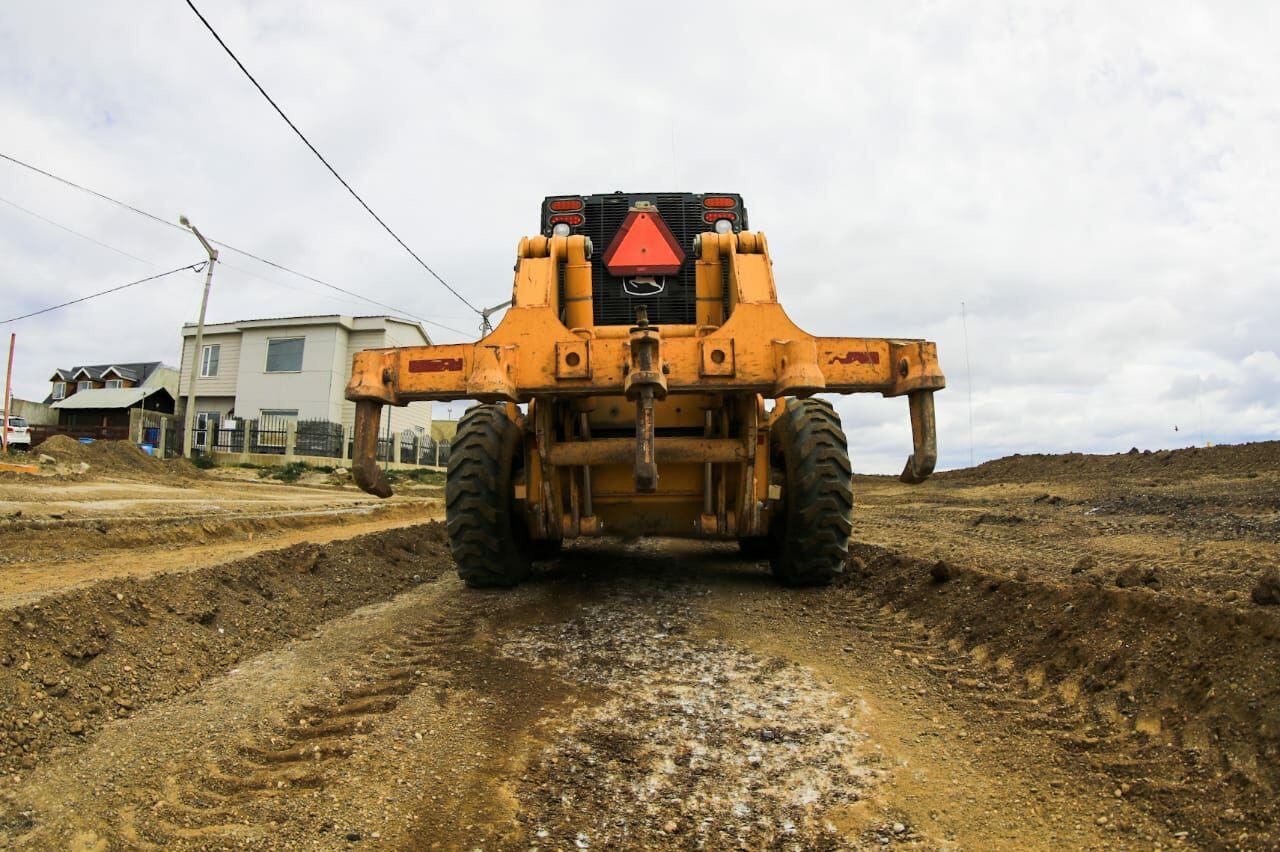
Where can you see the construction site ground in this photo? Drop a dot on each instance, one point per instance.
(1041, 652)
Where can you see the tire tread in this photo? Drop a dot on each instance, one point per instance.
(813, 542)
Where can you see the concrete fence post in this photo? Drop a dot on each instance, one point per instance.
(244, 441)
(290, 440)
(162, 444)
(395, 447)
(346, 448)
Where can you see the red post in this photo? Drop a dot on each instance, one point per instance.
(8, 385)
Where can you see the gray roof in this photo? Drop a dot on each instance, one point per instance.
(136, 371)
(106, 398)
(189, 328)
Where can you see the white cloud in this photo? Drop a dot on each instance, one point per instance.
(1097, 183)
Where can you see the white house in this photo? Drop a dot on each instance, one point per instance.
(292, 367)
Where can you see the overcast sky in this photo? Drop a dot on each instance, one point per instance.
(1097, 183)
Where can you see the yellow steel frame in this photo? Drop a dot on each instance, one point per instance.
(545, 351)
(533, 353)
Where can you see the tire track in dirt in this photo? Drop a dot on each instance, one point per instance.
(1156, 697)
(337, 738)
(300, 753)
(78, 659)
(968, 761)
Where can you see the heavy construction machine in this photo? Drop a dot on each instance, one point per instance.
(627, 396)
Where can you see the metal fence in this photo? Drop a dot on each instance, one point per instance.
(414, 449)
(417, 448)
(230, 440)
(319, 438)
(433, 453)
(173, 437)
(268, 435)
(315, 438)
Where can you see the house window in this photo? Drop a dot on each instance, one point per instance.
(59, 390)
(115, 383)
(84, 385)
(284, 354)
(209, 358)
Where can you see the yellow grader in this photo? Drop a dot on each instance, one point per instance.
(627, 396)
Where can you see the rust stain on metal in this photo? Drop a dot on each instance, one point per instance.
(856, 358)
(435, 365)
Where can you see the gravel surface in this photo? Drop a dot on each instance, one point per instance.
(700, 740)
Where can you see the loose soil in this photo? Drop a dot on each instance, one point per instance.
(58, 532)
(1039, 653)
(109, 458)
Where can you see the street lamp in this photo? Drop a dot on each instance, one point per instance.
(189, 426)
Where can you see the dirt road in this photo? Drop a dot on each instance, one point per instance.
(63, 532)
(1080, 677)
(677, 695)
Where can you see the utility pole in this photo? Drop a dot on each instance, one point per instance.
(189, 426)
(8, 385)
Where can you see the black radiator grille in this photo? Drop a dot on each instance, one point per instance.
(603, 215)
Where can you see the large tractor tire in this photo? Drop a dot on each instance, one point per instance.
(811, 533)
(488, 536)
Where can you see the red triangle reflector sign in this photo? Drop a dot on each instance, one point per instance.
(643, 245)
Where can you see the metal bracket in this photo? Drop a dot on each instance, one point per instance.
(573, 359)
(717, 357)
(924, 439)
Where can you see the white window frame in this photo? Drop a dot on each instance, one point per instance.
(267, 355)
(59, 390)
(207, 358)
(84, 384)
(114, 384)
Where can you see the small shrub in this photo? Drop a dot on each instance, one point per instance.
(291, 472)
(203, 462)
(419, 476)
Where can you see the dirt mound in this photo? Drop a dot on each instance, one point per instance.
(1190, 685)
(1226, 460)
(72, 662)
(115, 458)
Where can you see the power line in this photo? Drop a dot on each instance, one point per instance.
(124, 253)
(337, 288)
(196, 266)
(63, 227)
(92, 192)
(228, 246)
(320, 156)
